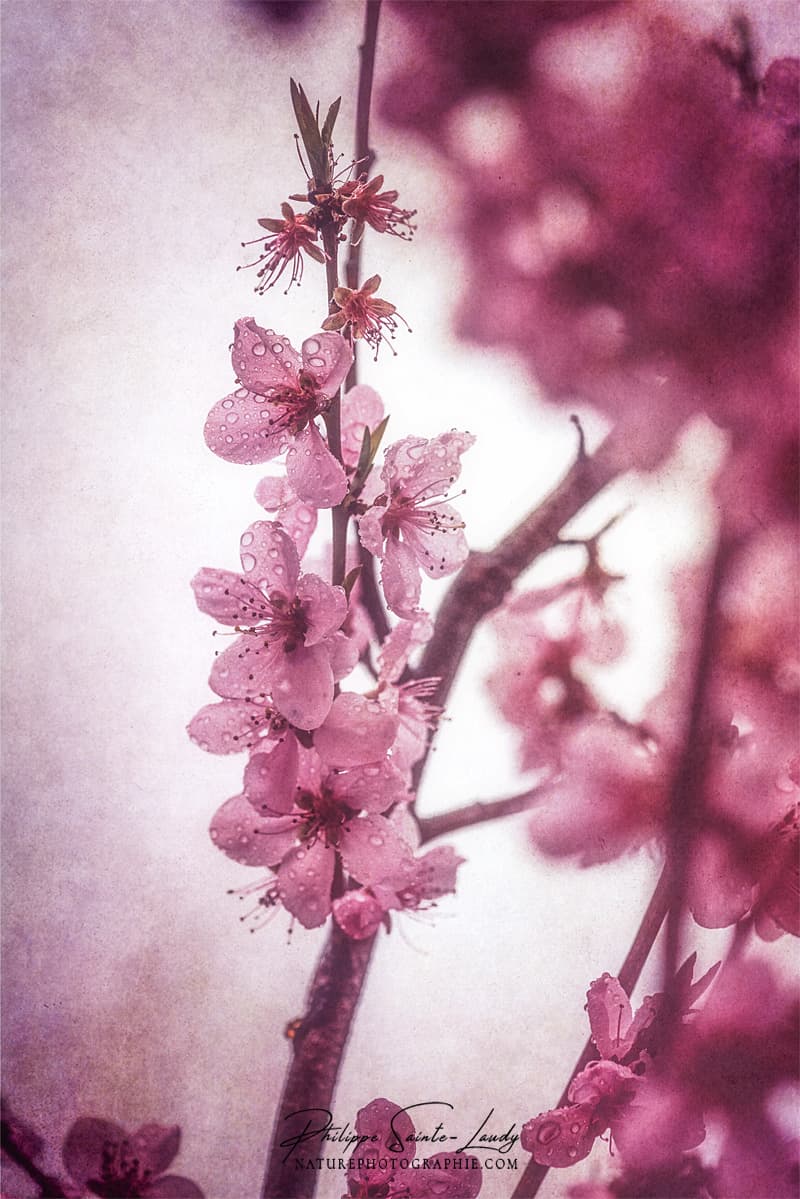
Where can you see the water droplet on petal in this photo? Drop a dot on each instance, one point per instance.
(227, 403)
(311, 346)
(248, 562)
(259, 349)
(376, 840)
(246, 538)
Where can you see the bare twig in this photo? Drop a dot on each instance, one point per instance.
(478, 813)
(13, 1137)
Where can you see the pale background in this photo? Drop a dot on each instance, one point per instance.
(142, 140)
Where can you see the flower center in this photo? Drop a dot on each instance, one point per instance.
(122, 1176)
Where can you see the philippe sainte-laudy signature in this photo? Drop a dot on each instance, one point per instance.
(316, 1124)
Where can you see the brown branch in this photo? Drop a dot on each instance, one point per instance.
(479, 812)
(655, 913)
(319, 1044)
(13, 1135)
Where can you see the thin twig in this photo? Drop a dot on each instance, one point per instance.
(479, 812)
(49, 1186)
(535, 1173)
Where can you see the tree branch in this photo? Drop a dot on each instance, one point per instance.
(479, 812)
(13, 1137)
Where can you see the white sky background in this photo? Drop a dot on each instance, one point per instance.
(142, 141)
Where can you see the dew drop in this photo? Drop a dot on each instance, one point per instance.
(247, 538)
(242, 394)
(376, 840)
(248, 562)
(311, 346)
(259, 349)
(227, 403)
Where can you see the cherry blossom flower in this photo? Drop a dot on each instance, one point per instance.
(274, 409)
(410, 525)
(287, 241)
(390, 1143)
(106, 1160)
(287, 623)
(416, 712)
(303, 811)
(366, 204)
(299, 519)
(364, 314)
(360, 912)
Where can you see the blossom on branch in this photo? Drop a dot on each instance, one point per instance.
(366, 204)
(106, 1160)
(364, 314)
(411, 526)
(287, 240)
(275, 409)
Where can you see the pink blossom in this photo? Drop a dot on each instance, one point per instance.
(417, 714)
(288, 239)
(360, 913)
(278, 497)
(281, 394)
(366, 315)
(302, 811)
(288, 623)
(366, 204)
(106, 1160)
(411, 526)
(377, 1174)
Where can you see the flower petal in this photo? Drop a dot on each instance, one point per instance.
(231, 726)
(238, 429)
(420, 468)
(324, 607)
(270, 778)
(447, 1180)
(173, 1186)
(269, 558)
(304, 883)
(393, 1127)
(362, 408)
(302, 685)
(371, 788)
(358, 914)
(371, 850)
(263, 361)
(400, 578)
(82, 1151)
(250, 839)
(344, 655)
(227, 597)
(298, 519)
(370, 530)
(440, 549)
(405, 637)
(156, 1146)
(242, 671)
(314, 473)
(356, 731)
(327, 357)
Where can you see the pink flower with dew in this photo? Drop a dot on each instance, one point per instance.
(275, 408)
(366, 204)
(286, 242)
(411, 526)
(365, 314)
(360, 913)
(288, 624)
(104, 1159)
(390, 1138)
(417, 714)
(303, 811)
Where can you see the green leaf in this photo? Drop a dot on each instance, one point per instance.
(309, 131)
(377, 437)
(350, 580)
(330, 121)
(364, 453)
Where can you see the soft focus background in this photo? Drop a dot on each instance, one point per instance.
(141, 142)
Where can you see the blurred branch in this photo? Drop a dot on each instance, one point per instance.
(478, 813)
(21, 1144)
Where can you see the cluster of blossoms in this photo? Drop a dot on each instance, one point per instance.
(103, 1159)
(325, 801)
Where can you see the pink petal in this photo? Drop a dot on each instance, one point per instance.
(238, 429)
(231, 727)
(298, 519)
(445, 1180)
(400, 578)
(720, 887)
(356, 731)
(435, 872)
(358, 914)
(270, 778)
(324, 607)
(82, 1151)
(173, 1186)
(372, 788)
(422, 468)
(302, 685)
(227, 597)
(156, 1146)
(327, 357)
(316, 476)
(242, 670)
(561, 1137)
(343, 653)
(263, 361)
(371, 850)
(251, 839)
(304, 883)
(362, 408)
(610, 1016)
(404, 639)
(370, 530)
(442, 549)
(269, 558)
(393, 1127)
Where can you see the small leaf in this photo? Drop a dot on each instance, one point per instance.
(350, 580)
(377, 437)
(702, 984)
(330, 121)
(364, 452)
